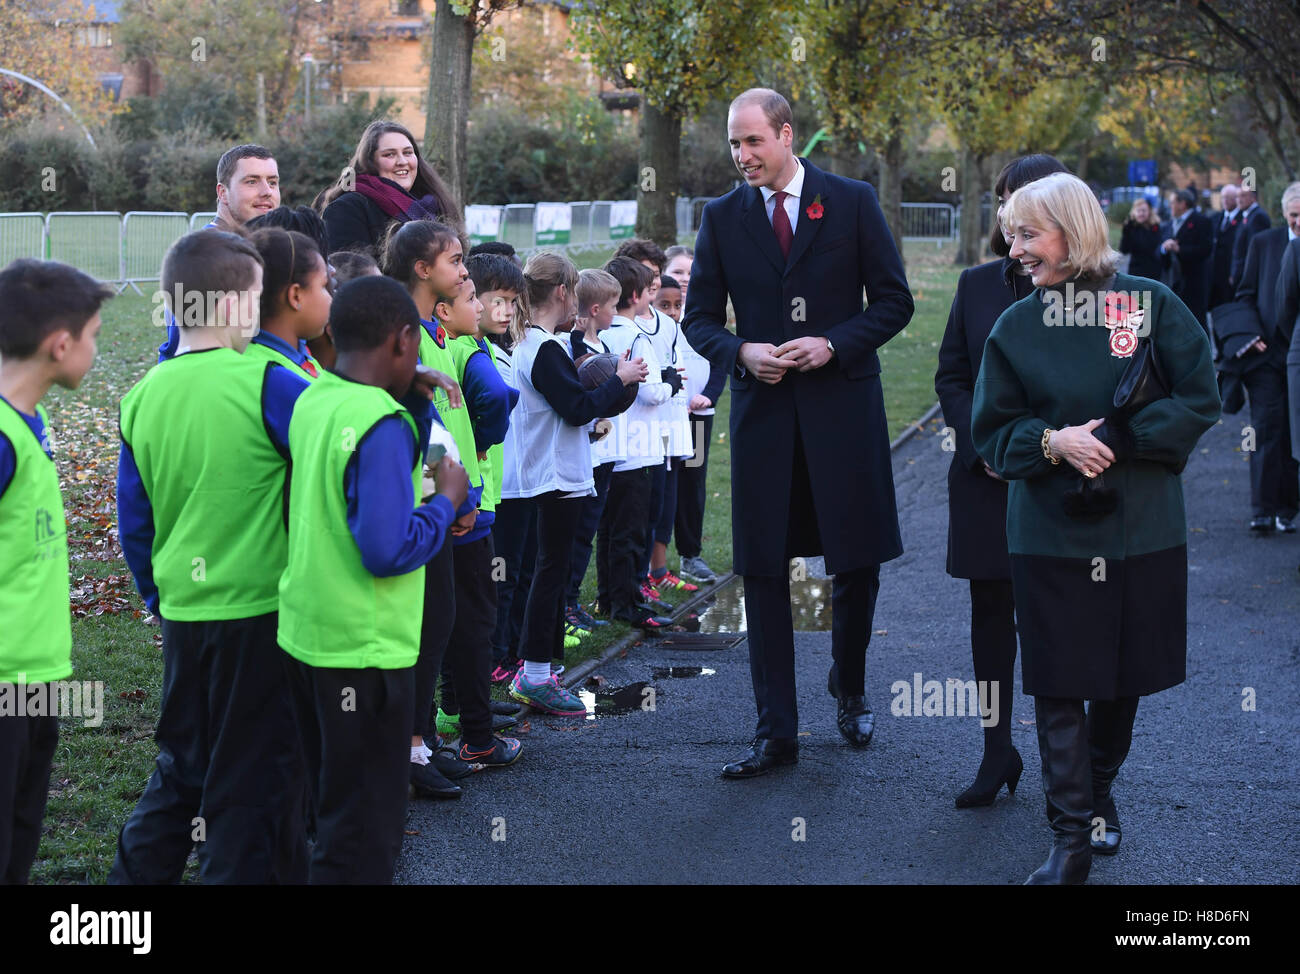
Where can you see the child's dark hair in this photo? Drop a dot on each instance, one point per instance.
(668, 283)
(367, 311)
(40, 297)
(498, 247)
(287, 258)
(632, 276)
(303, 219)
(495, 272)
(406, 243)
(640, 249)
(677, 250)
(207, 262)
(349, 265)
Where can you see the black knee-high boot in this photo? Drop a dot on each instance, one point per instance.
(1067, 783)
(993, 650)
(1110, 733)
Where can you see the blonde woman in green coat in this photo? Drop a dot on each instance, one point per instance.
(1096, 527)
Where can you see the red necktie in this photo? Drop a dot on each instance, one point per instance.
(310, 368)
(781, 225)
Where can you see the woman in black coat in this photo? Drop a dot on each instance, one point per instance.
(1140, 239)
(977, 497)
(387, 182)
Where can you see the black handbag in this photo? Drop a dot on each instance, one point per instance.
(1142, 382)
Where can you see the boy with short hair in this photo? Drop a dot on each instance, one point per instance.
(352, 593)
(621, 544)
(49, 317)
(200, 501)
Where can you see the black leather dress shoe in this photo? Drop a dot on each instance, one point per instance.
(855, 720)
(764, 755)
(1262, 525)
(852, 714)
(1286, 525)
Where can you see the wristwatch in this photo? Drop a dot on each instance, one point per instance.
(829, 347)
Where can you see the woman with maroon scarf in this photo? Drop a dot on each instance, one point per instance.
(387, 181)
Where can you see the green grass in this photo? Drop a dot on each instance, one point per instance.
(99, 772)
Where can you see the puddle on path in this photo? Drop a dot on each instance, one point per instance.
(605, 701)
(681, 672)
(810, 603)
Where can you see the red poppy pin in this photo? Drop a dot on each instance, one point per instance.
(815, 209)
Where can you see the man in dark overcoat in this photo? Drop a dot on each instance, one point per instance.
(794, 249)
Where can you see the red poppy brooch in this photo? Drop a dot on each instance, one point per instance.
(1123, 318)
(815, 209)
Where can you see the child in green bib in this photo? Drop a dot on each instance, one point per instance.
(201, 515)
(352, 593)
(49, 317)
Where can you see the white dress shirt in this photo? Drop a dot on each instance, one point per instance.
(792, 189)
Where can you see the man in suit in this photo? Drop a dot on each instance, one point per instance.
(1225, 224)
(1287, 310)
(1190, 243)
(1273, 471)
(794, 249)
(1253, 220)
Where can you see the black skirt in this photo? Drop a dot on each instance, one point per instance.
(1086, 636)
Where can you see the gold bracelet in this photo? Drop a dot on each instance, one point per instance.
(1047, 448)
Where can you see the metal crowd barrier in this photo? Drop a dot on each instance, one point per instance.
(127, 249)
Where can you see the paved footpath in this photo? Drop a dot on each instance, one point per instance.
(1209, 794)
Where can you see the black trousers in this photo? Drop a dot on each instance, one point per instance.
(355, 731)
(621, 545)
(692, 481)
(26, 751)
(662, 482)
(1273, 471)
(514, 535)
(543, 634)
(770, 633)
(467, 667)
(584, 538)
(230, 771)
(436, 623)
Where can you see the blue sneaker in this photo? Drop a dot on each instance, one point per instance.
(549, 697)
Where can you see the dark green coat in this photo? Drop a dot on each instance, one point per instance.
(1101, 603)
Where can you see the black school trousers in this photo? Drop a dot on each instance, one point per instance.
(514, 536)
(355, 726)
(230, 775)
(584, 538)
(467, 667)
(621, 545)
(542, 639)
(692, 480)
(26, 751)
(436, 623)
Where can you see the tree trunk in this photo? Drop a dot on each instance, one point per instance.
(447, 106)
(660, 157)
(970, 247)
(890, 189)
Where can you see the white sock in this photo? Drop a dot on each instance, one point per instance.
(420, 753)
(536, 673)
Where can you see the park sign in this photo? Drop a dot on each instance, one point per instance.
(483, 223)
(552, 223)
(622, 219)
